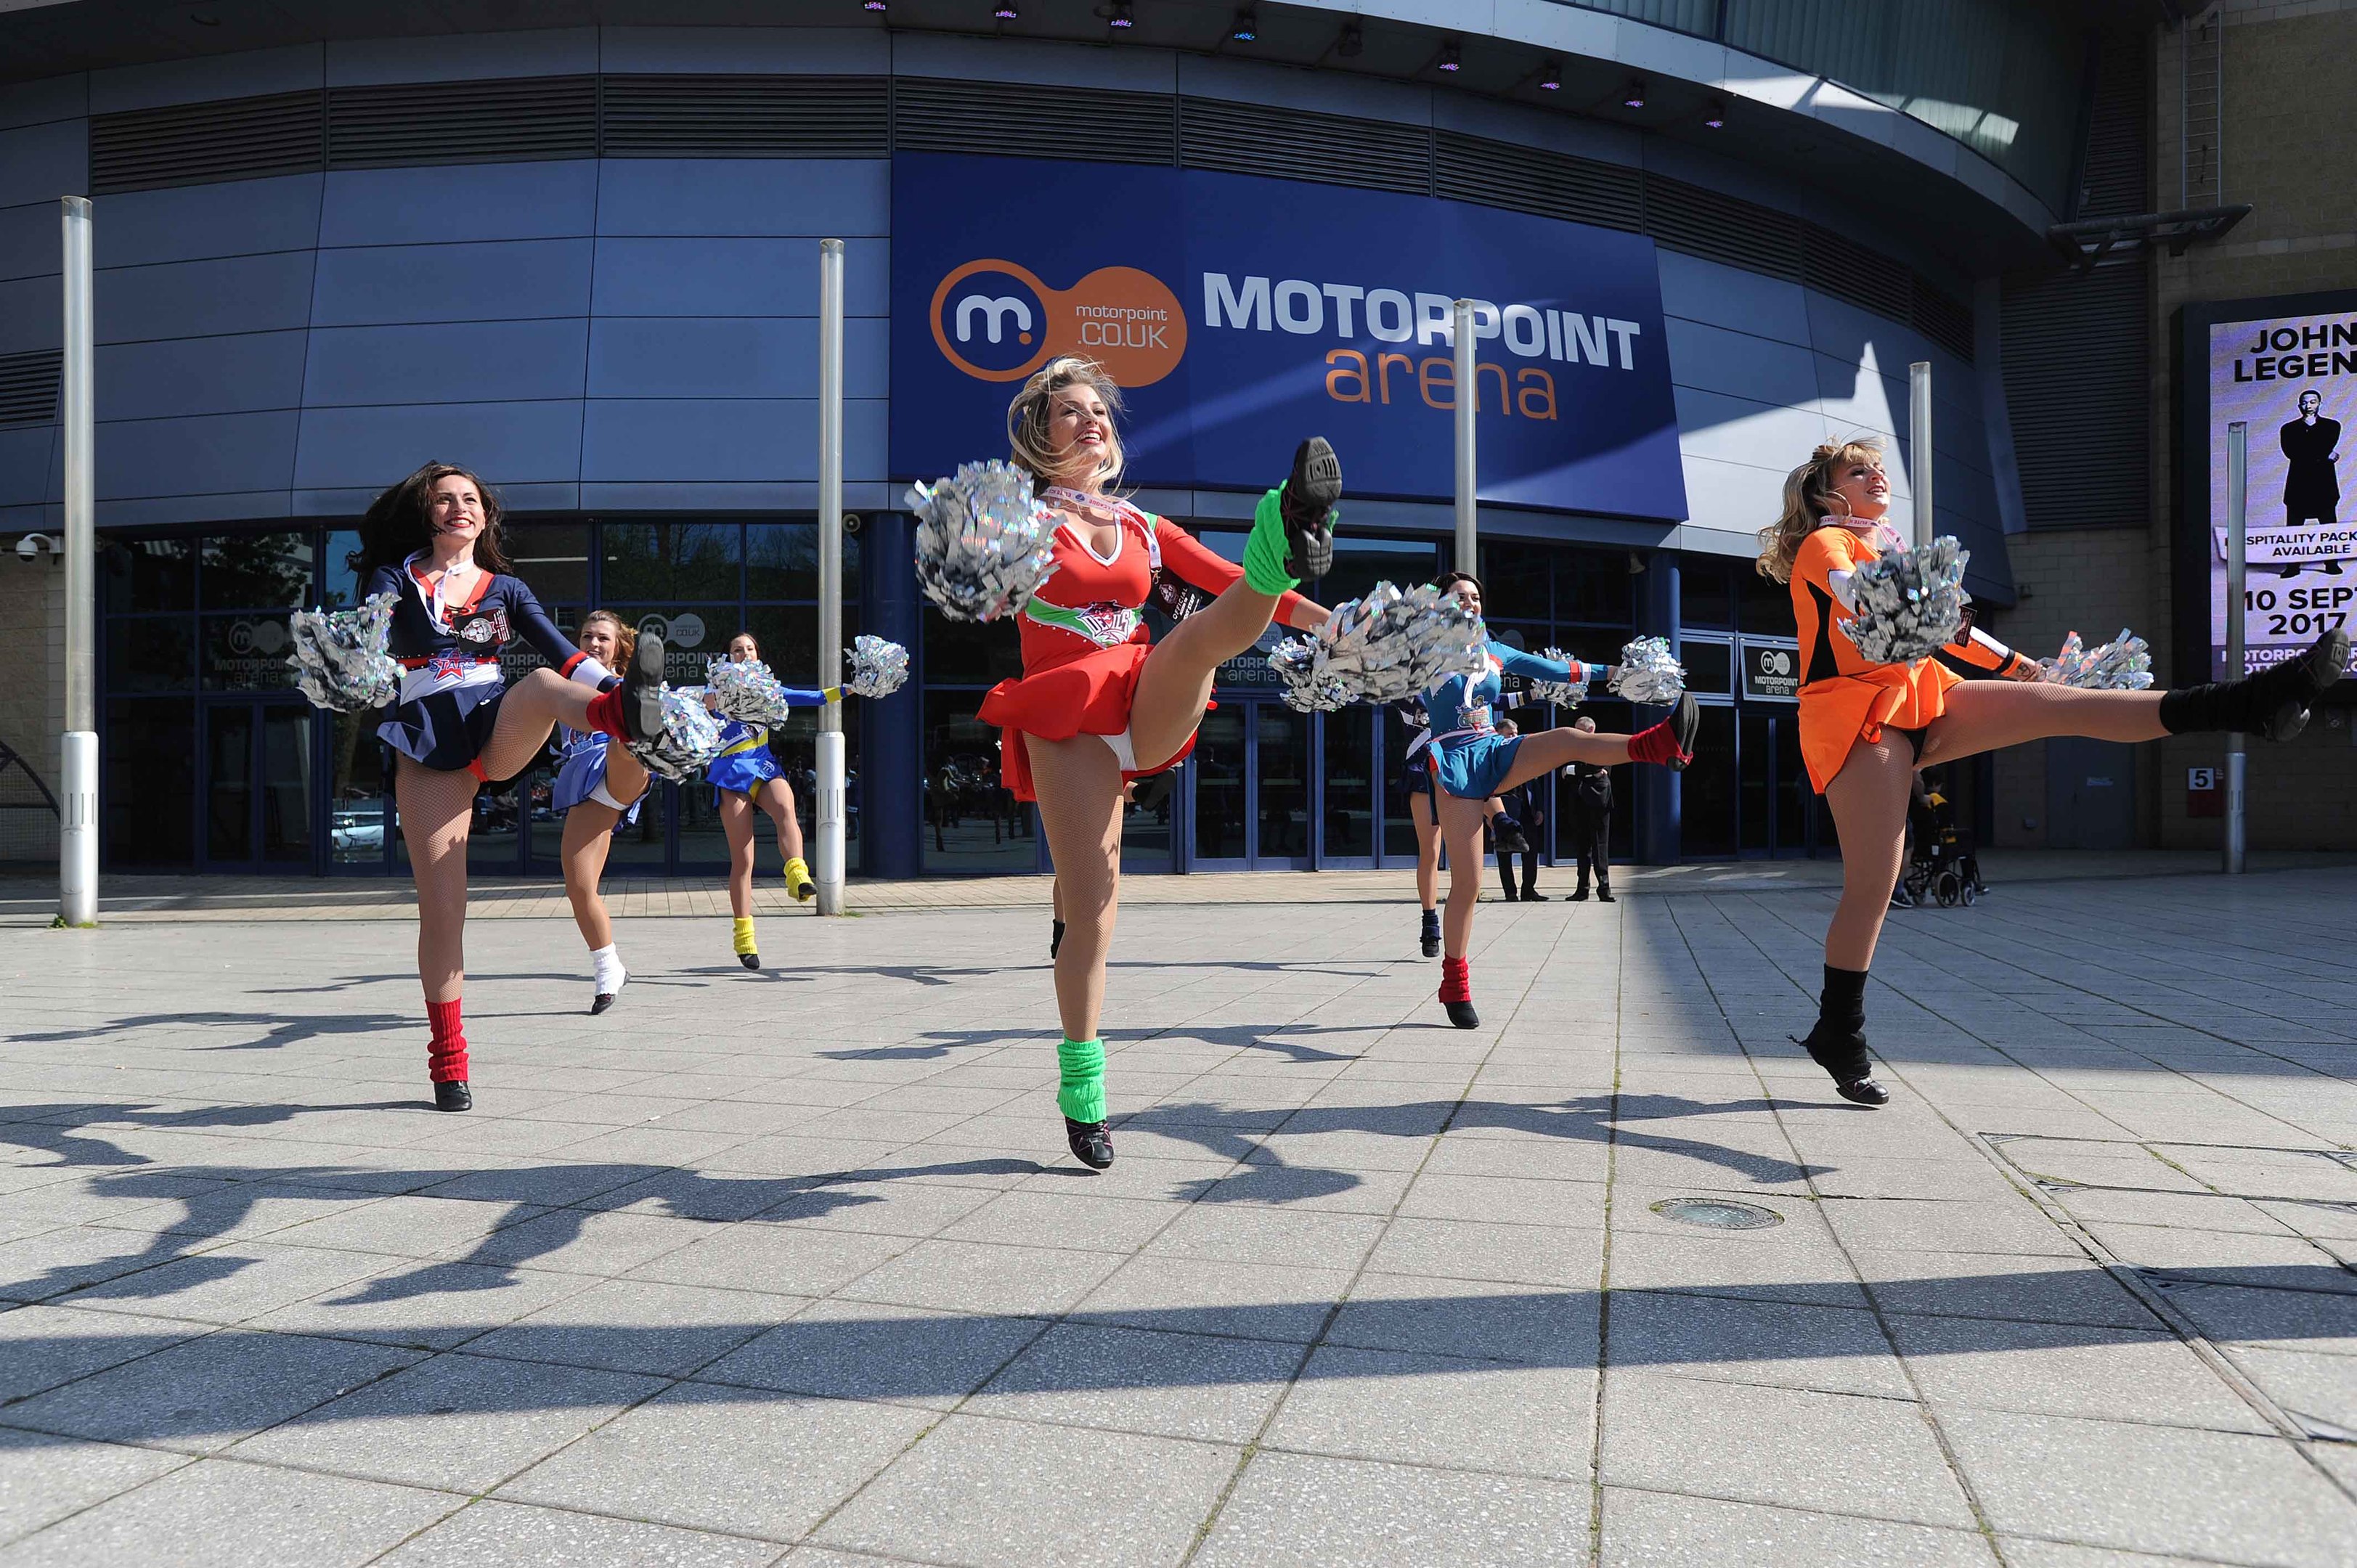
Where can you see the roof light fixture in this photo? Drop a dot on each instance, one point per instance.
(1247, 25)
(1450, 58)
(1715, 116)
(1635, 97)
(1551, 77)
(1352, 43)
(1125, 15)
(873, 5)
(1005, 12)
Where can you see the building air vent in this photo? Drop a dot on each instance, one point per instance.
(930, 115)
(2076, 379)
(200, 143)
(1334, 149)
(28, 388)
(1942, 320)
(746, 117)
(1836, 265)
(1530, 180)
(1681, 217)
(510, 121)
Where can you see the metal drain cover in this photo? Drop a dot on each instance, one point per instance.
(1718, 1213)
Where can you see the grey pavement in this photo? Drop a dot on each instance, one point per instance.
(793, 1266)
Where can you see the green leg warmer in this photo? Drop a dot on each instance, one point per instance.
(1266, 549)
(1082, 1098)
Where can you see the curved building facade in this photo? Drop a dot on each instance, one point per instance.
(583, 260)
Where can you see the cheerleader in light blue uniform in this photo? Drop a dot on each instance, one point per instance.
(745, 777)
(1471, 762)
(600, 788)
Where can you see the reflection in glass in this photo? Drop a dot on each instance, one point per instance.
(781, 561)
(552, 559)
(973, 822)
(968, 653)
(682, 562)
(286, 784)
(496, 836)
(151, 776)
(1359, 563)
(258, 571)
(1710, 666)
(1595, 587)
(148, 574)
(151, 653)
(1399, 827)
(1349, 782)
(1284, 768)
(229, 783)
(356, 791)
(1514, 581)
(247, 653)
(1218, 762)
(339, 586)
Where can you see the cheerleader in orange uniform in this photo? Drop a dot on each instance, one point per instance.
(1866, 728)
(1096, 705)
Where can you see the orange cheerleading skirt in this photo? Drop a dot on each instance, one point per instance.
(1087, 695)
(1842, 710)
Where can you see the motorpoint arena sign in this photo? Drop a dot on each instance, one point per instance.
(1241, 313)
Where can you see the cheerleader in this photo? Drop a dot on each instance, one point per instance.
(745, 777)
(1424, 815)
(599, 787)
(1096, 705)
(1471, 762)
(1866, 728)
(434, 542)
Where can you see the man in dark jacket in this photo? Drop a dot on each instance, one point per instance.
(1519, 832)
(1591, 808)
(2311, 445)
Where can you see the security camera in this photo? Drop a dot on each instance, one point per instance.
(851, 522)
(30, 546)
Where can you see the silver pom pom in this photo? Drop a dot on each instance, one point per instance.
(690, 739)
(747, 691)
(1563, 694)
(983, 541)
(1384, 647)
(2123, 664)
(341, 659)
(1911, 602)
(1307, 688)
(1648, 672)
(880, 667)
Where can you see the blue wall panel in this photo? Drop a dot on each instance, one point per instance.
(202, 454)
(732, 441)
(1760, 369)
(735, 277)
(383, 284)
(723, 356)
(508, 443)
(476, 361)
(845, 197)
(31, 314)
(29, 241)
(243, 373)
(475, 201)
(204, 299)
(243, 218)
(42, 163)
(25, 456)
(1729, 296)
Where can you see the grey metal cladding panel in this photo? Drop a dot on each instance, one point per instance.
(28, 388)
(195, 143)
(2076, 374)
(746, 116)
(1289, 144)
(1681, 217)
(510, 121)
(1833, 263)
(1531, 179)
(933, 116)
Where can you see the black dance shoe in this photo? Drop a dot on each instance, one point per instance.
(604, 1000)
(1842, 1055)
(453, 1095)
(1091, 1144)
(1509, 836)
(642, 683)
(1461, 1014)
(1307, 507)
(749, 959)
(1430, 938)
(1055, 939)
(1686, 723)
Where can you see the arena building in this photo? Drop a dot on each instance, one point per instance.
(335, 241)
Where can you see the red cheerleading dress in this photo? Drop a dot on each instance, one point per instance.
(1084, 640)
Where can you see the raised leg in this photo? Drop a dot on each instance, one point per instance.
(529, 709)
(1987, 716)
(1175, 685)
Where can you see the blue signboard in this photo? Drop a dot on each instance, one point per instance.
(1242, 314)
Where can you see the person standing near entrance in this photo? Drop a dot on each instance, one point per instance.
(1515, 829)
(1590, 811)
(599, 787)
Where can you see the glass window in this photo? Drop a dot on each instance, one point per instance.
(1704, 593)
(1763, 604)
(356, 789)
(972, 821)
(148, 574)
(1514, 583)
(552, 559)
(964, 652)
(151, 770)
(682, 562)
(151, 653)
(781, 561)
(1710, 666)
(247, 653)
(693, 637)
(1348, 783)
(1706, 795)
(258, 571)
(339, 586)
(1361, 564)
(1595, 587)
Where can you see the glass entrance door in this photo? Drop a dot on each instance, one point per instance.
(257, 765)
(1251, 781)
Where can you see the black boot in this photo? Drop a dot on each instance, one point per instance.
(453, 1095)
(1430, 937)
(1509, 836)
(1456, 975)
(2273, 704)
(1055, 938)
(1579, 893)
(1307, 507)
(642, 683)
(1837, 1043)
(1603, 894)
(1091, 1144)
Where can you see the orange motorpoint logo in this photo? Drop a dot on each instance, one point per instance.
(997, 322)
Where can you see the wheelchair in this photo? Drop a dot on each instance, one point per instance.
(1946, 872)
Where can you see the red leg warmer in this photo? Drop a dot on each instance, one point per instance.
(1658, 744)
(446, 1052)
(1456, 980)
(606, 714)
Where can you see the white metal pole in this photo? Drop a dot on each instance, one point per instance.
(78, 747)
(2238, 495)
(1467, 397)
(1919, 437)
(830, 768)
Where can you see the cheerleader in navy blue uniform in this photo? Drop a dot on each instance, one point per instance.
(600, 788)
(433, 541)
(744, 777)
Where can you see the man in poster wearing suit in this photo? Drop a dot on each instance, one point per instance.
(2312, 489)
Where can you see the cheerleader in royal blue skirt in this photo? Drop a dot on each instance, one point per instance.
(600, 788)
(745, 777)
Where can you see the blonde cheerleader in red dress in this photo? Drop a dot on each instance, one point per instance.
(1097, 706)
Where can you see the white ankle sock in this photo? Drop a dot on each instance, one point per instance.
(607, 965)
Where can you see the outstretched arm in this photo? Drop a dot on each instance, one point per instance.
(1532, 666)
(1198, 566)
(553, 644)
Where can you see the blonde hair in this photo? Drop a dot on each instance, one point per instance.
(1027, 418)
(1809, 499)
(625, 636)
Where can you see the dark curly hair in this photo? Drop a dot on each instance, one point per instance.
(1448, 580)
(400, 522)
